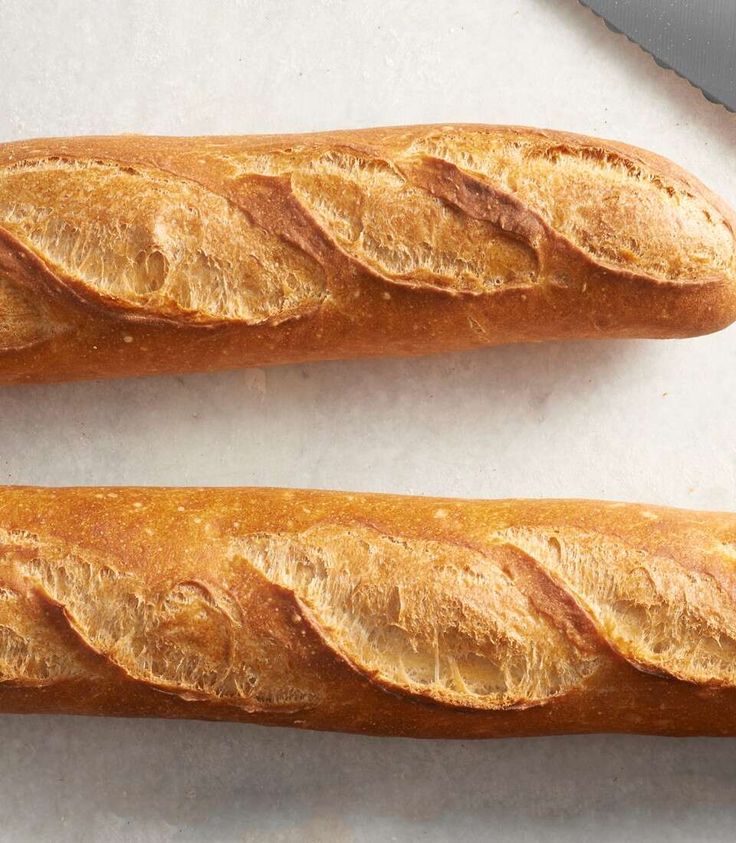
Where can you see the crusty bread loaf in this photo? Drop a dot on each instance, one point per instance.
(140, 255)
(368, 613)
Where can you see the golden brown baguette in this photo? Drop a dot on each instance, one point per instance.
(141, 255)
(368, 613)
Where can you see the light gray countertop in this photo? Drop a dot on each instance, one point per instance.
(625, 420)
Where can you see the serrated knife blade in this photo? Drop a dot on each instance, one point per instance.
(695, 38)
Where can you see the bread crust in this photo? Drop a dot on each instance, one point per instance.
(143, 255)
(373, 614)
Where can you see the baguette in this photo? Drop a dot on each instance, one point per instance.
(143, 255)
(372, 614)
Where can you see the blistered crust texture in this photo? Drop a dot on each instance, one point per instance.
(263, 231)
(522, 613)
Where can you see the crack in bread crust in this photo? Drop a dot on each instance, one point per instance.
(394, 228)
(157, 243)
(386, 221)
(187, 637)
(31, 652)
(590, 193)
(660, 615)
(433, 619)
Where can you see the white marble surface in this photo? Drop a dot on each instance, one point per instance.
(627, 420)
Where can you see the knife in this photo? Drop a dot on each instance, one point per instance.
(695, 38)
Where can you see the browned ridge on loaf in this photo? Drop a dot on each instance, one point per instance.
(374, 614)
(141, 255)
